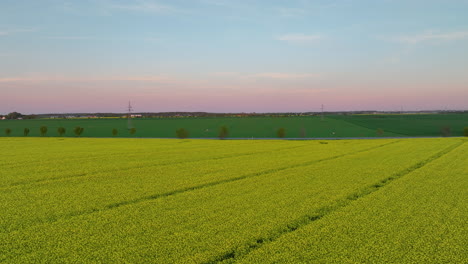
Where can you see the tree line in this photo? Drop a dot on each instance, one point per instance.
(180, 133)
(43, 130)
(183, 133)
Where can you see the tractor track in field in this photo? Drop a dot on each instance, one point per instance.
(128, 154)
(373, 129)
(78, 175)
(233, 254)
(193, 188)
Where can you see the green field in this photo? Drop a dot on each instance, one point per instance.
(411, 125)
(257, 127)
(67, 200)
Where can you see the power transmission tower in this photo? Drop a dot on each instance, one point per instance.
(322, 111)
(129, 117)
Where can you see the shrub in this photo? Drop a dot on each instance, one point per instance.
(182, 133)
(281, 133)
(465, 131)
(446, 131)
(115, 132)
(8, 131)
(223, 132)
(132, 131)
(78, 131)
(61, 131)
(43, 130)
(26, 132)
(380, 132)
(302, 132)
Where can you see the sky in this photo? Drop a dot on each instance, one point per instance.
(65, 56)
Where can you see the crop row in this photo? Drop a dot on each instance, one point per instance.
(20, 151)
(50, 200)
(204, 224)
(421, 218)
(58, 165)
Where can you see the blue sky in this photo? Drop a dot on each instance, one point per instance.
(232, 56)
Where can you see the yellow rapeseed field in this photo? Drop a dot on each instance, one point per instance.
(65, 200)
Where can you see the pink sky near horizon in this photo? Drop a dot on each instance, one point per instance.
(278, 94)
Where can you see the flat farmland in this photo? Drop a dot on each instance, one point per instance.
(67, 200)
(332, 126)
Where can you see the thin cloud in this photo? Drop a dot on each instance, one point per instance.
(6, 80)
(430, 36)
(291, 12)
(145, 6)
(6, 32)
(164, 79)
(69, 37)
(300, 38)
(226, 74)
(267, 75)
(217, 3)
(285, 76)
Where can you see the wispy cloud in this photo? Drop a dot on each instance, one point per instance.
(226, 74)
(69, 37)
(300, 38)
(162, 79)
(285, 76)
(267, 75)
(6, 32)
(291, 12)
(217, 3)
(430, 36)
(145, 6)
(7, 80)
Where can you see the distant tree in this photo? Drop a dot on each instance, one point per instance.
(132, 131)
(26, 132)
(14, 115)
(465, 131)
(446, 131)
(115, 132)
(223, 132)
(281, 133)
(8, 132)
(43, 130)
(78, 131)
(302, 132)
(380, 132)
(30, 117)
(182, 133)
(61, 131)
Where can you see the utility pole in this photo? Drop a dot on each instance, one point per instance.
(129, 117)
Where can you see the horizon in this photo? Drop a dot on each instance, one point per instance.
(217, 56)
(439, 111)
